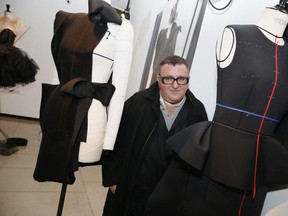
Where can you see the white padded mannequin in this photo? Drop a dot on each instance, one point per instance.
(112, 54)
(117, 45)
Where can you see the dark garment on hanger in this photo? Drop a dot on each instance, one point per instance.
(64, 107)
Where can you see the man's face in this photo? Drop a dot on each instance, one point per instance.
(173, 93)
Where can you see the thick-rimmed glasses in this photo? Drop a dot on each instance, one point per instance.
(169, 80)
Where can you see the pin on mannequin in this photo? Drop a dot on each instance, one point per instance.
(272, 24)
(8, 21)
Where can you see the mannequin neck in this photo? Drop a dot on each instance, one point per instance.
(8, 14)
(273, 24)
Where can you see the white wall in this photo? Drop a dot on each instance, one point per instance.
(39, 15)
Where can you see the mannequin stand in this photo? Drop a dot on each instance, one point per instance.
(8, 146)
(62, 199)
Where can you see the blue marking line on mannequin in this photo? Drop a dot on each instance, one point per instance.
(246, 112)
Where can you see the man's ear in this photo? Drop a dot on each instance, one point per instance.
(158, 78)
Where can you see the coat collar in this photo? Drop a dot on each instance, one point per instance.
(153, 92)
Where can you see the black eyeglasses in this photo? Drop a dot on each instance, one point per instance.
(169, 80)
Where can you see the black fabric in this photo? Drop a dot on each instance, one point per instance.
(246, 84)
(16, 67)
(192, 144)
(80, 88)
(247, 88)
(7, 36)
(167, 196)
(184, 191)
(157, 157)
(60, 130)
(139, 122)
(101, 11)
(220, 150)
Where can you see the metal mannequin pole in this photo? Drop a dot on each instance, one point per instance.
(62, 199)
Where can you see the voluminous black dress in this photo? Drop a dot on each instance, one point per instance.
(16, 67)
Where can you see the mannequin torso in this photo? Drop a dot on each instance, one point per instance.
(8, 21)
(272, 24)
(83, 106)
(112, 54)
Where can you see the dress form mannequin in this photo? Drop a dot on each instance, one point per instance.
(112, 56)
(272, 24)
(11, 22)
(79, 116)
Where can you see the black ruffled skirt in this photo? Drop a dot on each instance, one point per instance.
(16, 68)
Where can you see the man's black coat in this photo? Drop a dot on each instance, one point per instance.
(140, 117)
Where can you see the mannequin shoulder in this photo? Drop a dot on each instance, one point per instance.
(226, 46)
(125, 31)
(127, 26)
(61, 14)
(59, 19)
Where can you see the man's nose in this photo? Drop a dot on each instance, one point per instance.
(175, 84)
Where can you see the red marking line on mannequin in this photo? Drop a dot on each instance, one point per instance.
(263, 119)
(260, 129)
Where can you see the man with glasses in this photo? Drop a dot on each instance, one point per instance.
(141, 156)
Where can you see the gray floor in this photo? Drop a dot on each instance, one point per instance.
(21, 195)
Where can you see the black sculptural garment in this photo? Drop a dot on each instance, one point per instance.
(251, 102)
(64, 107)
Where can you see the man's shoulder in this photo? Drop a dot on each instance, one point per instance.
(152, 92)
